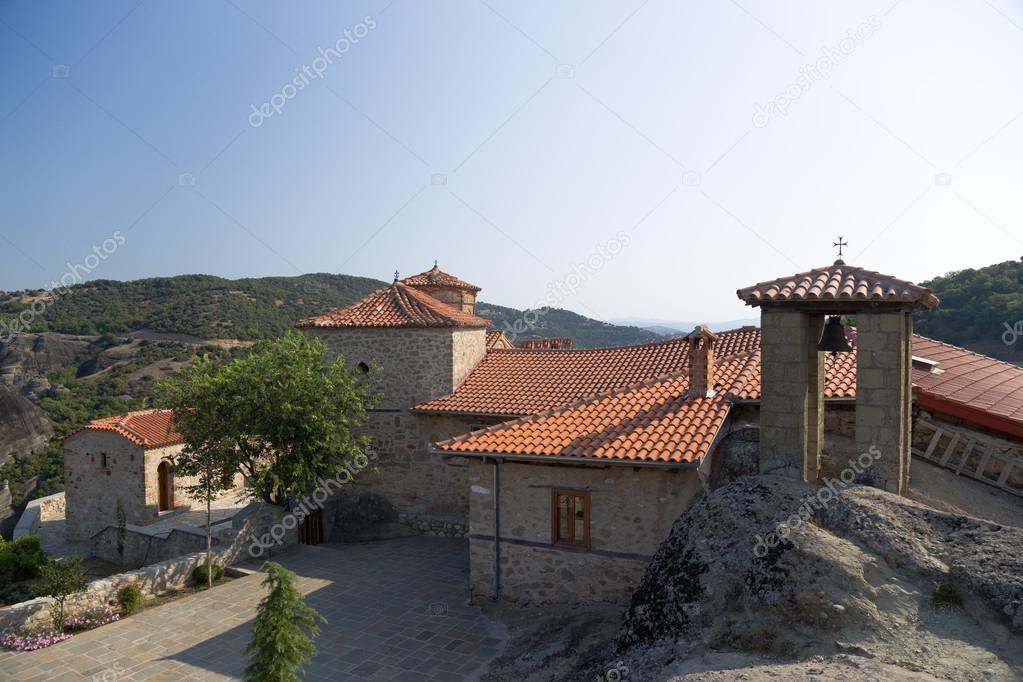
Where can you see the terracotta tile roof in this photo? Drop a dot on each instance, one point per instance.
(148, 428)
(838, 282)
(497, 339)
(648, 419)
(521, 382)
(436, 277)
(396, 305)
(970, 379)
(651, 422)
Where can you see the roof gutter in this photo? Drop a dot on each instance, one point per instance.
(970, 414)
(563, 459)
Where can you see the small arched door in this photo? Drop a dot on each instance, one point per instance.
(165, 487)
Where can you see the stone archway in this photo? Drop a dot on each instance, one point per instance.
(164, 487)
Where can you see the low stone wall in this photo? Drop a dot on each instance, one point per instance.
(256, 527)
(448, 527)
(143, 546)
(156, 579)
(245, 540)
(37, 511)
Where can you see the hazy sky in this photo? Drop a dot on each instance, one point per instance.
(641, 158)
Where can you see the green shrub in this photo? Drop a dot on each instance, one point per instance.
(19, 593)
(30, 557)
(20, 560)
(129, 599)
(199, 574)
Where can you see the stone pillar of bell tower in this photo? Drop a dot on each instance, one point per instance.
(792, 393)
(884, 396)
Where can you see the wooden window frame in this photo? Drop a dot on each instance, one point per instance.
(556, 539)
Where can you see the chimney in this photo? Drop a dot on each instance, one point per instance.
(701, 362)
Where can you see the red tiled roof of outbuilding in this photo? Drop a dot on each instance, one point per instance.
(147, 428)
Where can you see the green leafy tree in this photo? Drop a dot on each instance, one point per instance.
(61, 579)
(284, 416)
(283, 632)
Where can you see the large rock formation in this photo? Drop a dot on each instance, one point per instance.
(772, 566)
(26, 358)
(23, 426)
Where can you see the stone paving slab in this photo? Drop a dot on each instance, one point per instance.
(395, 610)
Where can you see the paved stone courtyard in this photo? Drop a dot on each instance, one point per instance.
(396, 610)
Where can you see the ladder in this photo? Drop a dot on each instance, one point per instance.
(987, 459)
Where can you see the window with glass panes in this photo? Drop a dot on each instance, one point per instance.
(570, 518)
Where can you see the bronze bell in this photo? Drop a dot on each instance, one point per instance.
(833, 339)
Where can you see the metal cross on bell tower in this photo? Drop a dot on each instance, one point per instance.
(840, 244)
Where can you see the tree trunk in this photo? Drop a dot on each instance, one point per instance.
(209, 542)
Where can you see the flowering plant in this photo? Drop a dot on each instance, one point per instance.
(91, 617)
(32, 641)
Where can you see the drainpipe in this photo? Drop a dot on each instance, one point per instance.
(497, 527)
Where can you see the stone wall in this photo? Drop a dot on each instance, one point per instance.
(791, 405)
(130, 475)
(883, 394)
(430, 493)
(631, 511)
(416, 364)
(39, 510)
(156, 579)
(255, 532)
(93, 490)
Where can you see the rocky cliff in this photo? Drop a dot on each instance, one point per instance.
(23, 426)
(775, 568)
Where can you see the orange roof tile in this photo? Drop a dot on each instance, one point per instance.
(970, 379)
(148, 428)
(521, 382)
(435, 277)
(838, 282)
(396, 305)
(651, 422)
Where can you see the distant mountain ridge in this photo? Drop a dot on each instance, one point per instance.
(675, 327)
(205, 307)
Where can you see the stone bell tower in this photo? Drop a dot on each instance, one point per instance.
(792, 314)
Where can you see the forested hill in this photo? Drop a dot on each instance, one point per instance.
(585, 332)
(200, 306)
(206, 307)
(980, 309)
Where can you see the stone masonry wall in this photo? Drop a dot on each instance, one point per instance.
(883, 398)
(430, 493)
(791, 419)
(631, 511)
(92, 490)
(152, 481)
(130, 475)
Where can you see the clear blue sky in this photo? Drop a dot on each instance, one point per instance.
(513, 142)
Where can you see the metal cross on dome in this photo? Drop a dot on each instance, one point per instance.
(840, 244)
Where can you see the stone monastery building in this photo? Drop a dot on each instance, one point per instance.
(566, 468)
